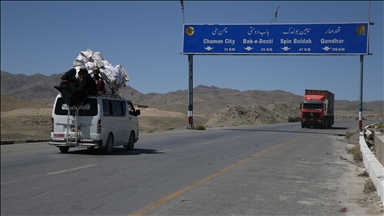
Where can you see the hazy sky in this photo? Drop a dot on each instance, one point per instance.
(145, 37)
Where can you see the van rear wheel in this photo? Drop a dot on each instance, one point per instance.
(109, 145)
(63, 149)
(131, 142)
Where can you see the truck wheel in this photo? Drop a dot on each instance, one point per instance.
(131, 142)
(109, 145)
(63, 149)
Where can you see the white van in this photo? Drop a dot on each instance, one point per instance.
(102, 121)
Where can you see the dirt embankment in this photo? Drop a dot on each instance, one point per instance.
(25, 125)
(248, 115)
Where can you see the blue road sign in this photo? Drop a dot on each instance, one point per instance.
(276, 39)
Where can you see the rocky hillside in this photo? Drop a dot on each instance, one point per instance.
(250, 115)
(207, 99)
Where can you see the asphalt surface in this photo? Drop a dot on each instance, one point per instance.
(248, 170)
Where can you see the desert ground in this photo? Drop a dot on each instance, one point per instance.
(27, 121)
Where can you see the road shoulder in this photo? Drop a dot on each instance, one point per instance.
(354, 181)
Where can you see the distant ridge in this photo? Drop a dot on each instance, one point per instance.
(207, 99)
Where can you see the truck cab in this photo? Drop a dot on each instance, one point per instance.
(317, 109)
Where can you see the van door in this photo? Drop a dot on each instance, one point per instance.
(133, 125)
(121, 128)
(109, 119)
(87, 116)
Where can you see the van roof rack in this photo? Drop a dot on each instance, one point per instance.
(110, 95)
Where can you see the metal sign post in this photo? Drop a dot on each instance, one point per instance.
(361, 95)
(190, 93)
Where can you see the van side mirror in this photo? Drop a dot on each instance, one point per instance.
(137, 113)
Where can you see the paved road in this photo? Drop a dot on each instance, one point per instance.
(249, 170)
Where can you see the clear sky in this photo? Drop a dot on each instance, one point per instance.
(145, 37)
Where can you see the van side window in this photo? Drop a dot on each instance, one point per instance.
(118, 108)
(107, 107)
(131, 109)
(114, 107)
(124, 107)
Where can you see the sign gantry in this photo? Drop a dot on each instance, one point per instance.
(303, 39)
(276, 39)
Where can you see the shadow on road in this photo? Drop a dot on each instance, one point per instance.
(338, 128)
(116, 151)
(328, 131)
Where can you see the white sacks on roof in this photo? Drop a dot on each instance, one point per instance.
(114, 77)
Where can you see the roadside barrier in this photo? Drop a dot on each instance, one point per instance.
(373, 166)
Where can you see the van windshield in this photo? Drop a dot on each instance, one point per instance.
(89, 108)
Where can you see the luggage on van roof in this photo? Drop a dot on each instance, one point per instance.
(114, 77)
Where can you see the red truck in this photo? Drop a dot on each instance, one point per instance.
(317, 109)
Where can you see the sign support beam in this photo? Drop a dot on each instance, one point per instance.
(190, 93)
(361, 94)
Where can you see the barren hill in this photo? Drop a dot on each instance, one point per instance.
(249, 115)
(207, 99)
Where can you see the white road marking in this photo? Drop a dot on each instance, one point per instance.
(20, 144)
(167, 150)
(207, 142)
(19, 180)
(53, 173)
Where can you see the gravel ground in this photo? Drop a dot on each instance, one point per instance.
(361, 201)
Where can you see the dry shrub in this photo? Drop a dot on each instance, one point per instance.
(363, 174)
(380, 126)
(199, 127)
(355, 151)
(358, 156)
(369, 186)
(350, 133)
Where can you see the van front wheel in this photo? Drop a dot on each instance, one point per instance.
(131, 142)
(63, 149)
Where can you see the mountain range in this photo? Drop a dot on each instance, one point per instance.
(206, 99)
